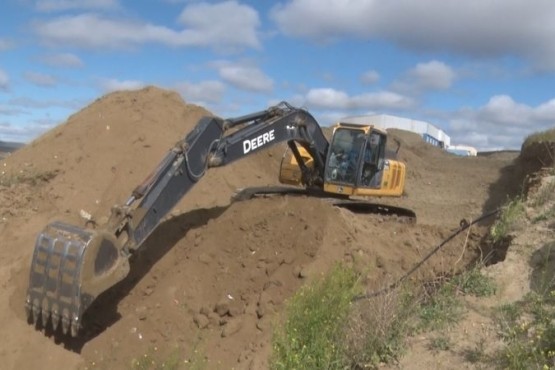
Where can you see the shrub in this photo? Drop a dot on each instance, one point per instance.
(378, 327)
(310, 338)
(507, 220)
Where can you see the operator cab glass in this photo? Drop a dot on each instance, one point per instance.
(345, 152)
(355, 158)
(373, 161)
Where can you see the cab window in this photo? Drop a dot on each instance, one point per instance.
(372, 166)
(345, 152)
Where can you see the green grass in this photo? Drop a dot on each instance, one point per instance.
(474, 282)
(32, 178)
(507, 220)
(440, 343)
(310, 337)
(543, 136)
(527, 327)
(548, 214)
(379, 327)
(441, 308)
(528, 332)
(544, 195)
(324, 329)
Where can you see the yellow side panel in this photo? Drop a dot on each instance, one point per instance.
(392, 184)
(289, 171)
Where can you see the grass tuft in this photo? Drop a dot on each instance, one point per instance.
(32, 178)
(508, 220)
(378, 328)
(539, 137)
(311, 335)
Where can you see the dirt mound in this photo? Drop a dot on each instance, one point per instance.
(212, 278)
(107, 148)
(443, 188)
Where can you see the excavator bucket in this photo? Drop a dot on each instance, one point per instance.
(70, 268)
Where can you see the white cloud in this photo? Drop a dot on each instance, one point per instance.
(203, 93)
(370, 77)
(502, 123)
(245, 77)
(8, 110)
(113, 84)
(26, 102)
(503, 110)
(4, 80)
(62, 5)
(40, 79)
(433, 75)
(64, 60)
(25, 133)
(225, 26)
(473, 27)
(329, 98)
(546, 112)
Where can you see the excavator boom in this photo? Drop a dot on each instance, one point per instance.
(71, 265)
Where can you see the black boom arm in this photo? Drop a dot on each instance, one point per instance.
(217, 142)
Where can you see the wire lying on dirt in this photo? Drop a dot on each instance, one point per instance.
(463, 226)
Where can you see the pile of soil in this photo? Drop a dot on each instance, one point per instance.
(213, 278)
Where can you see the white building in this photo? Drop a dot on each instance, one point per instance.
(463, 150)
(430, 133)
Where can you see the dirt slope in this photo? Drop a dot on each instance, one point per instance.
(212, 278)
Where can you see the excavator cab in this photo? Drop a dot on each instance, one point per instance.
(356, 164)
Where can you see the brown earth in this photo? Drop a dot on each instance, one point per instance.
(212, 279)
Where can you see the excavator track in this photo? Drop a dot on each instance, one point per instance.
(353, 205)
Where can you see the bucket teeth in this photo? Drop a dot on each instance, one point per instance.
(55, 275)
(71, 266)
(36, 313)
(45, 316)
(74, 327)
(55, 320)
(65, 324)
(28, 308)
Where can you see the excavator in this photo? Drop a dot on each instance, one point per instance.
(71, 266)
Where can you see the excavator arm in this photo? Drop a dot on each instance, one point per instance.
(71, 266)
(209, 145)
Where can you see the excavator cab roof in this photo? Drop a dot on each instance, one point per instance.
(358, 126)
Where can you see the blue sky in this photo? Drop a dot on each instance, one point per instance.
(483, 71)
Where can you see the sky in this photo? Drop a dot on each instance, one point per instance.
(483, 71)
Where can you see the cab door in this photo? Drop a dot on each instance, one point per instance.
(372, 163)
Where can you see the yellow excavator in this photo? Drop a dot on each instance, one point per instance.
(71, 266)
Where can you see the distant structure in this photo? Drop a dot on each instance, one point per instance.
(430, 133)
(463, 150)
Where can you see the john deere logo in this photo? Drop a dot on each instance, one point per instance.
(340, 189)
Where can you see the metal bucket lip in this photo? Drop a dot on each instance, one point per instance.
(55, 275)
(71, 266)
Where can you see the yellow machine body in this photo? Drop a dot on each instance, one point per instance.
(362, 170)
